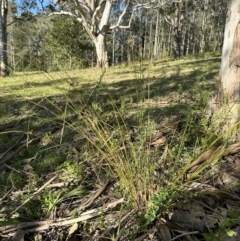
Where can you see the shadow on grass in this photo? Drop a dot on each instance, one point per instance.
(131, 91)
(176, 88)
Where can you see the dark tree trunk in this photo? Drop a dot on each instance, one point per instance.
(177, 30)
(3, 37)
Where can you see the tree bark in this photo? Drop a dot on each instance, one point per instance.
(177, 30)
(156, 44)
(100, 40)
(146, 40)
(169, 41)
(3, 38)
(102, 56)
(113, 49)
(227, 101)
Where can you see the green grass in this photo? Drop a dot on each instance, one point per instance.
(91, 131)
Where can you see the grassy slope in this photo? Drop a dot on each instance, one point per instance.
(90, 132)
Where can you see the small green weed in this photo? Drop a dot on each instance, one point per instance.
(225, 228)
(49, 199)
(71, 169)
(160, 201)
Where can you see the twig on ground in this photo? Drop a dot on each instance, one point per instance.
(54, 185)
(120, 233)
(143, 236)
(9, 191)
(94, 197)
(184, 234)
(15, 170)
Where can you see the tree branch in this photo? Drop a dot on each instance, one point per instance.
(139, 5)
(11, 23)
(121, 16)
(87, 25)
(168, 19)
(123, 13)
(80, 4)
(95, 14)
(81, 11)
(68, 14)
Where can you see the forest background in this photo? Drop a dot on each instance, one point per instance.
(37, 41)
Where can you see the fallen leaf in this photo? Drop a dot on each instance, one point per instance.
(158, 142)
(28, 160)
(165, 233)
(210, 221)
(183, 220)
(222, 212)
(72, 230)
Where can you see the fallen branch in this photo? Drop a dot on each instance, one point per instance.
(121, 231)
(44, 225)
(211, 155)
(203, 189)
(8, 192)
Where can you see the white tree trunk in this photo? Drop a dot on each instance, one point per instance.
(188, 40)
(100, 40)
(202, 42)
(150, 40)
(156, 44)
(3, 37)
(227, 101)
(146, 40)
(12, 49)
(113, 49)
(169, 41)
(102, 57)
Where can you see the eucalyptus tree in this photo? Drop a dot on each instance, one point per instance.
(94, 15)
